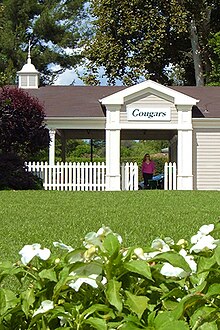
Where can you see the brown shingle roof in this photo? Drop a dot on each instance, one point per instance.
(209, 96)
(73, 101)
(83, 101)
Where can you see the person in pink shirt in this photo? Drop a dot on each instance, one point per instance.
(148, 169)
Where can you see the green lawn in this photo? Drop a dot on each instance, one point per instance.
(46, 216)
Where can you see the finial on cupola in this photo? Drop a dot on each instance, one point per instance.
(28, 76)
(29, 53)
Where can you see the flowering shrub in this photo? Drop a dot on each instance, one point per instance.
(103, 285)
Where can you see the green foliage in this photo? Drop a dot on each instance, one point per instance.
(214, 43)
(131, 151)
(51, 26)
(136, 40)
(102, 284)
(14, 174)
(22, 127)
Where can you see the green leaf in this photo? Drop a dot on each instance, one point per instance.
(140, 267)
(113, 294)
(174, 259)
(111, 245)
(204, 267)
(49, 274)
(137, 304)
(170, 304)
(213, 290)
(185, 303)
(96, 308)
(217, 254)
(129, 326)
(166, 321)
(174, 325)
(28, 299)
(209, 326)
(75, 256)
(7, 300)
(2, 302)
(7, 268)
(64, 276)
(163, 318)
(176, 292)
(201, 315)
(97, 323)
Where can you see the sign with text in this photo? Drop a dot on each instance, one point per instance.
(148, 114)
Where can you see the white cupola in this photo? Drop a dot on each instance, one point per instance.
(28, 76)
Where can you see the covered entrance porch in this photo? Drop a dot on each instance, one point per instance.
(144, 111)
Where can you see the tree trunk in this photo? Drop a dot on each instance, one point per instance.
(197, 59)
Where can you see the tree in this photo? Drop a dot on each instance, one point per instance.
(52, 27)
(140, 39)
(215, 72)
(22, 127)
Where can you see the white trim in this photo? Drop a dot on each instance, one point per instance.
(206, 122)
(120, 97)
(75, 123)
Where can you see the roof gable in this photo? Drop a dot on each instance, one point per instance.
(148, 87)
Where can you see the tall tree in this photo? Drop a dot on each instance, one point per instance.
(51, 26)
(136, 39)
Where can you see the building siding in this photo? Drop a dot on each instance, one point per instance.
(206, 158)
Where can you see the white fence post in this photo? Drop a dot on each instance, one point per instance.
(170, 176)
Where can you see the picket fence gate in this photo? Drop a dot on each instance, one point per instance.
(129, 176)
(92, 176)
(170, 176)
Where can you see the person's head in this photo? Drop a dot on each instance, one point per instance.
(146, 157)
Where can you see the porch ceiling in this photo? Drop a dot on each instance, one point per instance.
(125, 134)
(147, 134)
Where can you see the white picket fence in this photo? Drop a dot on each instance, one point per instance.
(70, 176)
(92, 176)
(129, 176)
(170, 176)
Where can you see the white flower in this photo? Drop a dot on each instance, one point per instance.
(145, 256)
(139, 253)
(96, 239)
(171, 271)
(45, 306)
(28, 252)
(160, 245)
(63, 319)
(202, 240)
(203, 231)
(63, 246)
(151, 255)
(91, 280)
(206, 229)
(205, 242)
(189, 259)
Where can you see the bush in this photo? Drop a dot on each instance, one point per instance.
(103, 285)
(14, 174)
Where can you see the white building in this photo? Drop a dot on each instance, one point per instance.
(187, 116)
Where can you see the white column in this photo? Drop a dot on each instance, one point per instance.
(184, 153)
(113, 177)
(112, 160)
(52, 147)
